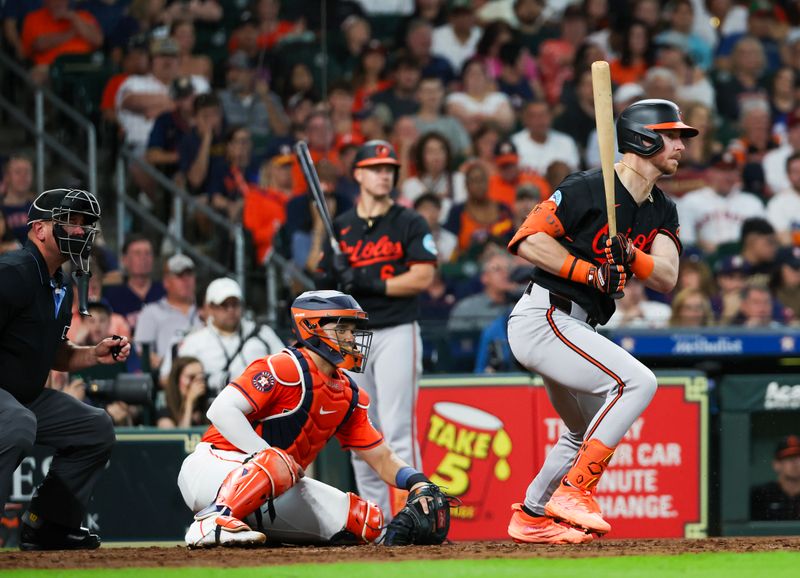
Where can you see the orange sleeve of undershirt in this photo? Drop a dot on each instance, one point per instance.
(542, 219)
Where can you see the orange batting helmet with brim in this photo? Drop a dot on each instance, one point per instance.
(375, 152)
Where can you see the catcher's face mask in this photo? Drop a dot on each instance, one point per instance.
(74, 214)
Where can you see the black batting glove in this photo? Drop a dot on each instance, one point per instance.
(620, 250)
(609, 279)
(356, 281)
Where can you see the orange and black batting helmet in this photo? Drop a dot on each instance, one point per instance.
(312, 310)
(638, 124)
(375, 152)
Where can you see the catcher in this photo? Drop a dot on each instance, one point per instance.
(245, 480)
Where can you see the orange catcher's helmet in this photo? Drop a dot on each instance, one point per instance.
(312, 310)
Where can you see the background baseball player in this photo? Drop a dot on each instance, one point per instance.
(388, 259)
(272, 421)
(596, 387)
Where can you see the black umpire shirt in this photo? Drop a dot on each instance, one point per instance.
(30, 330)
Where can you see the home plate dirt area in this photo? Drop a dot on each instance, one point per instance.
(111, 557)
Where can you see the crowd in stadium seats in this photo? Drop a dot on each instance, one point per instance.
(489, 104)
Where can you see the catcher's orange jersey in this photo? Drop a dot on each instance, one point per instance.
(298, 409)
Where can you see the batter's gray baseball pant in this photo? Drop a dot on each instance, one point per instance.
(597, 388)
(82, 437)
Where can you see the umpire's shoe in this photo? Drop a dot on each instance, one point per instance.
(38, 534)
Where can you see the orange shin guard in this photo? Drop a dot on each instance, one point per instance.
(267, 475)
(590, 464)
(364, 519)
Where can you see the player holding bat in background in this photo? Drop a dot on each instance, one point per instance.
(597, 388)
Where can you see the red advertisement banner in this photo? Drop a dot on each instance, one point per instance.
(485, 438)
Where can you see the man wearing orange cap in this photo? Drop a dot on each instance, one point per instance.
(780, 499)
(509, 176)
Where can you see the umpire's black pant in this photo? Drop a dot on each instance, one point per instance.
(82, 437)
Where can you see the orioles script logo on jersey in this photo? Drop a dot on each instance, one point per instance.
(641, 241)
(370, 252)
(264, 381)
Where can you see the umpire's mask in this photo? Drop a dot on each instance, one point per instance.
(68, 209)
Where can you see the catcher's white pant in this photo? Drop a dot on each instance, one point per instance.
(309, 512)
(597, 388)
(391, 378)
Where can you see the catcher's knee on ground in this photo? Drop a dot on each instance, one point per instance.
(364, 522)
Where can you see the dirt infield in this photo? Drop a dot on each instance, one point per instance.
(179, 556)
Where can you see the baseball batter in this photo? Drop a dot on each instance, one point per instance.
(388, 259)
(596, 387)
(272, 421)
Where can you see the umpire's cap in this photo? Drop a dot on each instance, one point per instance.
(640, 121)
(376, 152)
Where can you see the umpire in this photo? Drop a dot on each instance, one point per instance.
(35, 314)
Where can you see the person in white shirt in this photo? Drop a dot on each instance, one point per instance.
(783, 210)
(634, 310)
(538, 145)
(227, 344)
(478, 102)
(714, 214)
(774, 162)
(457, 40)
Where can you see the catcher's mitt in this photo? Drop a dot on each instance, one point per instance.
(412, 525)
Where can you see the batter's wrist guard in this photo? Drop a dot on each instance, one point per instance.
(574, 269)
(642, 264)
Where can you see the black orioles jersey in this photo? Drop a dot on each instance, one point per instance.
(581, 208)
(385, 248)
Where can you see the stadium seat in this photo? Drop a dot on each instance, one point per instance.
(79, 79)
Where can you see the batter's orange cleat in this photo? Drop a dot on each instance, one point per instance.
(577, 507)
(542, 530)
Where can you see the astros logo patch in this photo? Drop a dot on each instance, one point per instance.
(264, 381)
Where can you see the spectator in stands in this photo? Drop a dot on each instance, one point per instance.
(509, 177)
(418, 43)
(320, 138)
(186, 395)
(57, 29)
(660, 82)
(780, 499)
(227, 344)
(190, 64)
(783, 210)
(356, 34)
(370, 74)
(516, 79)
(577, 119)
(774, 163)
(108, 13)
(756, 309)
(493, 354)
(637, 311)
(142, 98)
(18, 195)
(713, 215)
(781, 96)
(681, 28)
(694, 273)
(457, 40)
(557, 171)
(135, 60)
(340, 107)
(244, 37)
(690, 308)
(479, 218)
(264, 209)
(400, 97)
(637, 54)
(484, 142)
(13, 14)
(754, 141)
(433, 161)
(475, 312)
(697, 154)
(373, 122)
(61, 381)
(759, 248)
(8, 242)
(623, 97)
(496, 33)
(745, 80)
(538, 145)
(202, 150)
(785, 283)
(692, 83)
(430, 118)
(228, 188)
(139, 287)
(478, 102)
(170, 128)
(142, 18)
(532, 24)
(429, 205)
(731, 278)
(248, 101)
(162, 324)
(269, 28)
(346, 147)
(557, 54)
(193, 11)
(525, 200)
(117, 324)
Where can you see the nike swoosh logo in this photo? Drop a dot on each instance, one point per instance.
(345, 231)
(323, 411)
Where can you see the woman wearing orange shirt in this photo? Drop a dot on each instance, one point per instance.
(636, 55)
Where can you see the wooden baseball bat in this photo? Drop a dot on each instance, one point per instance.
(604, 117)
